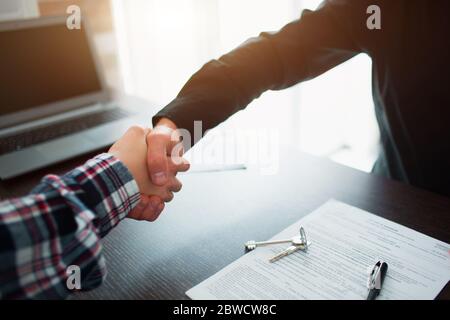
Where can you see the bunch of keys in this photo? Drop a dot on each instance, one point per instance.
(297, 243)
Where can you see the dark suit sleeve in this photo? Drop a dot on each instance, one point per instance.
(301, 50)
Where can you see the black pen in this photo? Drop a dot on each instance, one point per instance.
(376, 279)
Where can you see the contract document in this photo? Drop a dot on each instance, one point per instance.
(345, 243)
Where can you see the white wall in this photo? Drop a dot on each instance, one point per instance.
(18, 9)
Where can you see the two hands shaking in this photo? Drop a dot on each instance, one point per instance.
(153, 157)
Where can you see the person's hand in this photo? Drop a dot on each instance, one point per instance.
(131, 149)
(165, 153)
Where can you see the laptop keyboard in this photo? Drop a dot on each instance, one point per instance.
(57, 130)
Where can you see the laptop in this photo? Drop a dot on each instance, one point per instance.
(54, 103)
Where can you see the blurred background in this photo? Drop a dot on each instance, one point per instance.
(149, 48)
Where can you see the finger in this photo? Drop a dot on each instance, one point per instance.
(173, 139)
(151, 211)
(174, 144)
(150, 215)
(135, 130)
(175, 185)
(155, 209)
(160, 210)
(184, 166)
(157, 158)
(138, 212)
(168, 196)
(175, 148)
(155, 203)
(174, 168)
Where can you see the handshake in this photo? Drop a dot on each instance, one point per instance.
(153, 157)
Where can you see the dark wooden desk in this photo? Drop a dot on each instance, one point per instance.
(205, 227)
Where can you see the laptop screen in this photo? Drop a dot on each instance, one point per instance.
(44, 64)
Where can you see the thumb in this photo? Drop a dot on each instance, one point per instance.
(157, 158)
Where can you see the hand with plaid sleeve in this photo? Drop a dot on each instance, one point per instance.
(60, 223)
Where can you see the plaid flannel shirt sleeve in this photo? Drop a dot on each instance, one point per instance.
(59, 225)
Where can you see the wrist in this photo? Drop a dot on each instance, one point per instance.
(168, 127)
(166, 122)
(108, 188)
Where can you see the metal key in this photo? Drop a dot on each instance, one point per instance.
(295, 241)
(289, 251)
(251, 245)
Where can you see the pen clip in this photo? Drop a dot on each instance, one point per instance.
(374, 281)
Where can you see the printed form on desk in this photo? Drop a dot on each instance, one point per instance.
(345, 243)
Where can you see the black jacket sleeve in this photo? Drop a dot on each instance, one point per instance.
(301, 50)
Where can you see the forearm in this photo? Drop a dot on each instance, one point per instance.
(223, 87)
(60, 224)
(301, 50)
